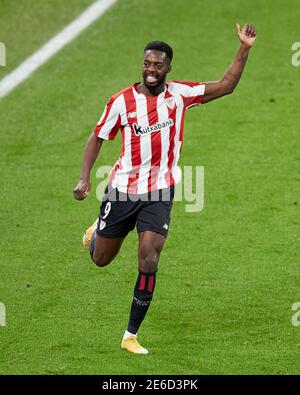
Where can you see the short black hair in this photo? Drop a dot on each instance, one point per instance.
(160, 46)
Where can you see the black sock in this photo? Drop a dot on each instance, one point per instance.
(92, 244)
(142, 297)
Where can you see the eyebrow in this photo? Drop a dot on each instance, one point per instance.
(149, 61)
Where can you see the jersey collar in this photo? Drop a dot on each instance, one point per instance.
(135, 87)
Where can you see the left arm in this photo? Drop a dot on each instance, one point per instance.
(230, 79)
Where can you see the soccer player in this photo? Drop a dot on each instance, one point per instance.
(150, 115)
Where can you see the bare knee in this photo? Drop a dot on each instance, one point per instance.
(105, 250)
(101, 260)
(148, 259)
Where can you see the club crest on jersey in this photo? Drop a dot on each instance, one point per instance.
(139, 130)
(170, 102)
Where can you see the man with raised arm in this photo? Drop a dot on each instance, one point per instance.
(150, 116)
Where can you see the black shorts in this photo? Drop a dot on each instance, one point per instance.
(120, 212)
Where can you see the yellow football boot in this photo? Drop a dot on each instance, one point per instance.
(132, 345)
(87, 237)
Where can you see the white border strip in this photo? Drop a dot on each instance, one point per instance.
(12, 80)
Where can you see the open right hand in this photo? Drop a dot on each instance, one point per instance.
(82, 189)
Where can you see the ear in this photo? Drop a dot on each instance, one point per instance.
(169, 68)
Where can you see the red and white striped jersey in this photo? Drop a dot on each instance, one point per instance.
(152, 134)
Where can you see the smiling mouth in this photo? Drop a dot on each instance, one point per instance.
(151, 79)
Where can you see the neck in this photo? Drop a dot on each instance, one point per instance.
(151, 92)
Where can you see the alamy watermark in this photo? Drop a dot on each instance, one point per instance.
(190, 189)
(296, 55)
(296, 317)
(2, 314)
(2, 55)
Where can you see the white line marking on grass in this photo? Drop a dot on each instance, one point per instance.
(2, 314)
(25, 69)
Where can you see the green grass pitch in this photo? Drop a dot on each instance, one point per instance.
(228, 276)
